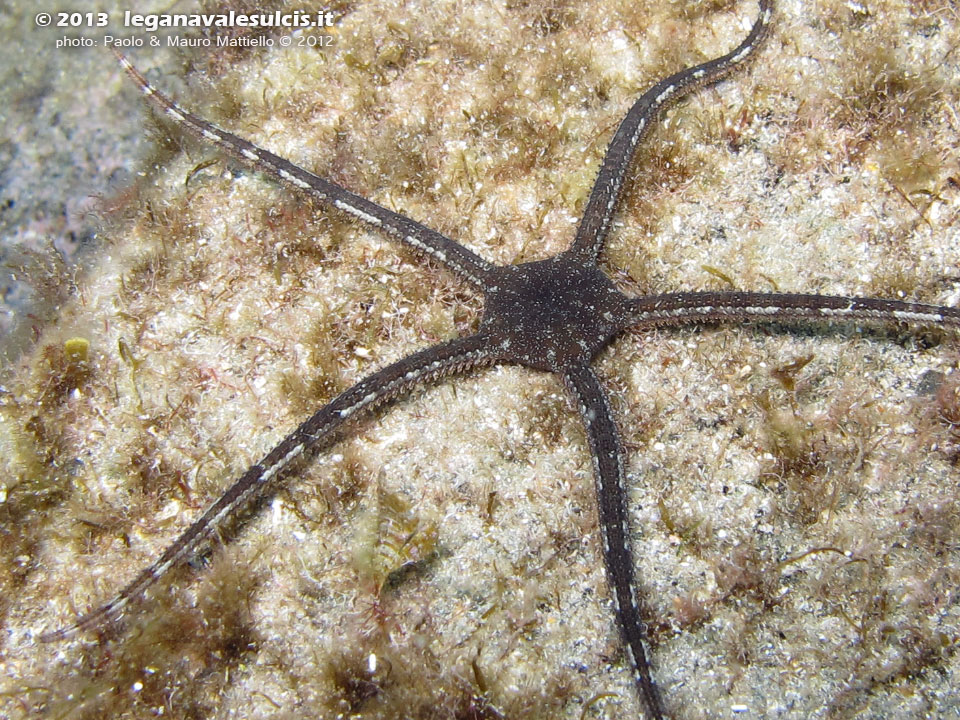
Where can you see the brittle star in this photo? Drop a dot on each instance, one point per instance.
(554, 315)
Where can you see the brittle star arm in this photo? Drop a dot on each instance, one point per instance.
(606, 188)
(607, 453)
(390, 382)
(458, 259)
(673, 309)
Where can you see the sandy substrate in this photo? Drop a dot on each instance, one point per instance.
(794, 490)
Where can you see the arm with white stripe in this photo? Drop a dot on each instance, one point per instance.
(702, 307)
(461, 261)
(606, 188)
(320, 429)
(611, 493)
